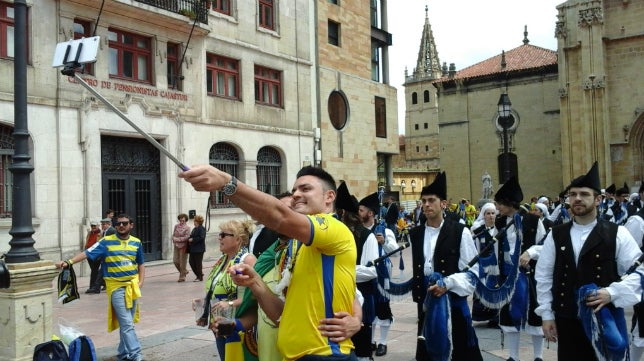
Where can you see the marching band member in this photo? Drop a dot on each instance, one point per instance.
(586, 251)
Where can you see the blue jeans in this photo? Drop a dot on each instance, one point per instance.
(129, 345)
(221, 347)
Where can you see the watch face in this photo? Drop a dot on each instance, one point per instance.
(230, 188)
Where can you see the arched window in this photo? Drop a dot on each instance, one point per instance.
(6, 178)
(269, 166)
(414, 98)
(225, 157)
(426, 96)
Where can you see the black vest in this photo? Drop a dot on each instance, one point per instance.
(447, 252)
(596, 264)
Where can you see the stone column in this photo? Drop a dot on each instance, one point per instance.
(26, 309)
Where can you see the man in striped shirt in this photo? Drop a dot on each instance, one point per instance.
(123, 272)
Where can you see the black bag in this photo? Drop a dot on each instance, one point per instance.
(53, 350)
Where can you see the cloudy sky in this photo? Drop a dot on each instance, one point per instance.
(465, 31)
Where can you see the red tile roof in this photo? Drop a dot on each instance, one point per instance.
(521, 58)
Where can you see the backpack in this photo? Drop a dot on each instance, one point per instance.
(53, 350)
(82, 349)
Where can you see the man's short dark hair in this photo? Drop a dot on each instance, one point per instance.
(320, 173)
(124, 215)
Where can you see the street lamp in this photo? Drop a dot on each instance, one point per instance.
(506, 121)
(21, 245)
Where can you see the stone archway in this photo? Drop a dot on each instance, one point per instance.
(637, 145)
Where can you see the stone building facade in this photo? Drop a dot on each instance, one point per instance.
(358, 107)
(569, 108)
(241, 85)
(601, 54)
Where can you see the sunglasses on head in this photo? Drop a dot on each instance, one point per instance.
(123, 223)
(224, 235)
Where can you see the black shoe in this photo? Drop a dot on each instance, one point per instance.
(510, 359)
(93, 290)
(373, 346)
(381, 350)
(538, 359)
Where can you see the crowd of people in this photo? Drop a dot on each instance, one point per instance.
(310, 277)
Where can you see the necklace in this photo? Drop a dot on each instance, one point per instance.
(285, 266)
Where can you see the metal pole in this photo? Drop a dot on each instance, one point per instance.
(506, 160)
(21, 245)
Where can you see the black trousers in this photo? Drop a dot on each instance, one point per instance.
(362, 341)
(460, 349)
(572, 343)
(95, 276)
(195, 260)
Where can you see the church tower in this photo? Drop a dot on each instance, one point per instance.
(421, 105)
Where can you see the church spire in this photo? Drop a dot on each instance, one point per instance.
(428, 65)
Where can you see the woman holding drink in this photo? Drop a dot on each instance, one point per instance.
(223, 296)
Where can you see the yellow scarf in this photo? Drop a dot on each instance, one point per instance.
(132, 292)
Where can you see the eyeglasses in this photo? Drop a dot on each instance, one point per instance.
(224, 235)
(122, 223)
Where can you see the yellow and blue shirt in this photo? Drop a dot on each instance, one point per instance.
(323, 282)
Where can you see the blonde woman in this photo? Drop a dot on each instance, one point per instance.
(222, 293)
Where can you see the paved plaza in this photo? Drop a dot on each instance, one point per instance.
(167, 330)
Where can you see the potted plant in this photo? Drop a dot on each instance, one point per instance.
(189, 13)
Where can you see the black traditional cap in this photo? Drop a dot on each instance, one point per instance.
(611, 189)
(641, 188)
(590, 180)
(343, 199)
(437, 188)
(372, 202)
(510, 192)
(623, 191)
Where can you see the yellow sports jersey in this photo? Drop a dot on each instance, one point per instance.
(323, 282)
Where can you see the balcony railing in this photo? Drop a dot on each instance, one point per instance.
(194, 9)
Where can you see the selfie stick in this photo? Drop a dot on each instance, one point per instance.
(69, 70)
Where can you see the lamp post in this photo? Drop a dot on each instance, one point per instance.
(22, 249)
(506, 121)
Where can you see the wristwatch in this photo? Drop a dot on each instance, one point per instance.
(231, 187)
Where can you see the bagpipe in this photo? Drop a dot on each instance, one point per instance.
(606, 329)
(496, 289)
(388, 254)
(383, 263)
